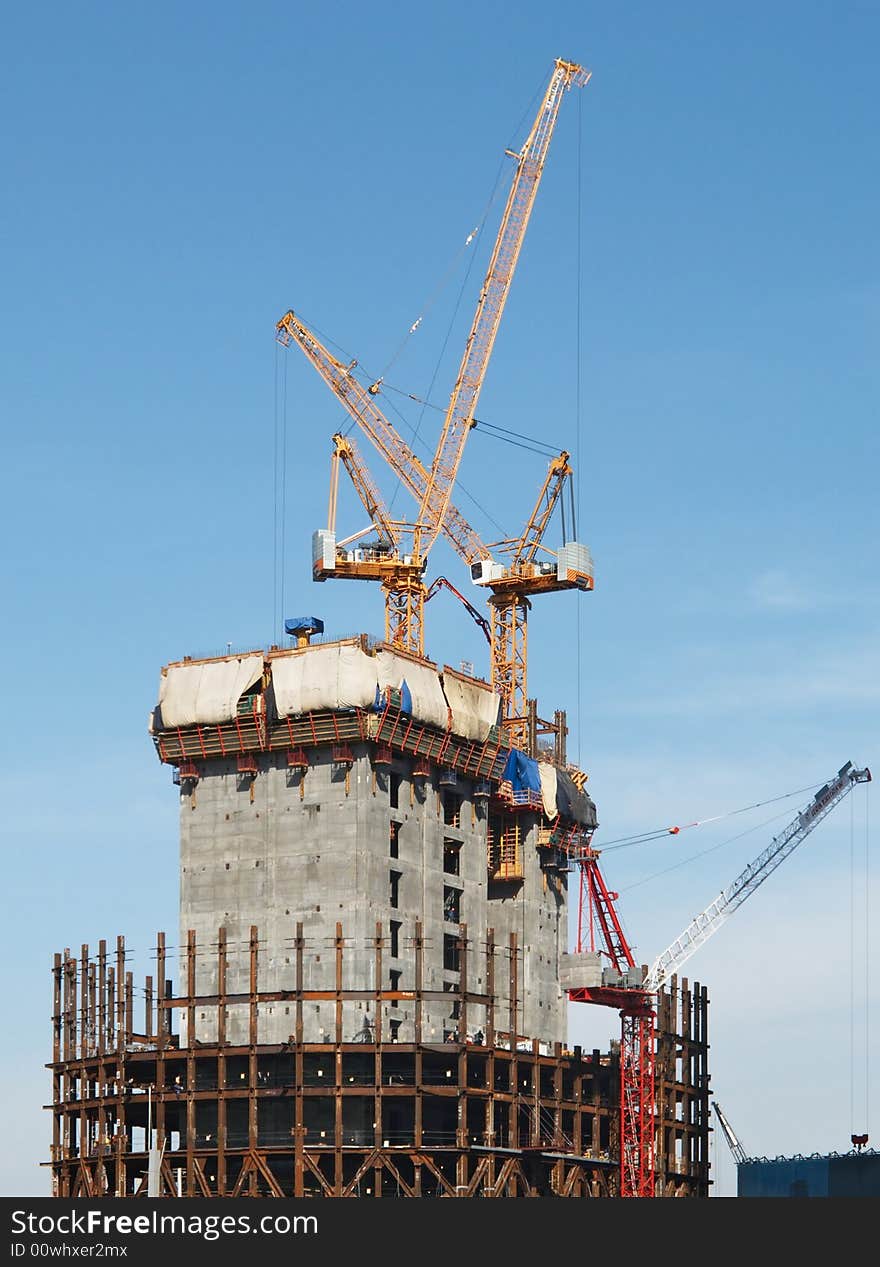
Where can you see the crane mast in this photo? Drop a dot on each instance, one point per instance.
(512, 586)
(490, 307)
(380, 560)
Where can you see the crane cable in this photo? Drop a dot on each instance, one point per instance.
(441, 285)
(279, 490)
(491, 429)
(578, 351)
(852, 969)
(283, 525)
(683, 862)
(449, 328)
(347, 356)
(435, 294)
(275, 622)
(458, 484)
(644, 838)
(853, 863)
(867, 963)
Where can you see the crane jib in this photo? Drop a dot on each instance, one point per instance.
(753, 876)
(490, 306)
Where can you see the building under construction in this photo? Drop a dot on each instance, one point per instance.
(373, 976)
(374, 914)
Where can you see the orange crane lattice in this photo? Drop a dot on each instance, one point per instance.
(400, 566)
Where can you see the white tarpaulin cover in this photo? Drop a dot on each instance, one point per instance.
(206, 694)
(474, 707)
(331, 677)
(547, 774)
(428, 701)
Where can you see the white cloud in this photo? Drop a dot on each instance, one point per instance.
(777, 590)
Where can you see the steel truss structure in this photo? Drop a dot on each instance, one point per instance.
(492, 1114)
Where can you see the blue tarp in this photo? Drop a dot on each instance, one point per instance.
(405, 699)
(304, 624)
(521, 772)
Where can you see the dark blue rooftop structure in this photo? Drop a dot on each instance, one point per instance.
(303, 624)
(855, 1174)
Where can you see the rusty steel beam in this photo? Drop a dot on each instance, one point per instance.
(517, 1122)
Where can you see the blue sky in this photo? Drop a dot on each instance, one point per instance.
(177, 176)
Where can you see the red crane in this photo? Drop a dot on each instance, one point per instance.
(621, 984)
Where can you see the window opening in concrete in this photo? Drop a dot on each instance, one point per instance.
(395, 1029)
(394, 782)
(395, 889)
(394, 980)
(395, 938)
(452, 904)
(451, 953)
(394, 840)
(451, 856)
(504, 847)
(451, 809)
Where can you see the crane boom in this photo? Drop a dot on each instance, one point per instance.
(490, 306)
(710, 920)
(345, 451)
(533, 534)
(733, 1143)
(362, 408)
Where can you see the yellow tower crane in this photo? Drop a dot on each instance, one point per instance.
(399, 556)
(382, 560)
(515, 581)
(512, 579)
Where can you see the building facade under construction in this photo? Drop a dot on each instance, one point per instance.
(372, 949)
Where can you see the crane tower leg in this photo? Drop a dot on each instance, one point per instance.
(637, 1097)
(404, 613)
(509, 656)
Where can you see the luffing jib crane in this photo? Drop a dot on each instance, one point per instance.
(400, 570)
(620, 984)
(345, 452)
(733, 1143)
(781, 847)
(379, 560)
(516, 580)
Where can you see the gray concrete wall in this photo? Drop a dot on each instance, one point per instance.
(324, 856)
